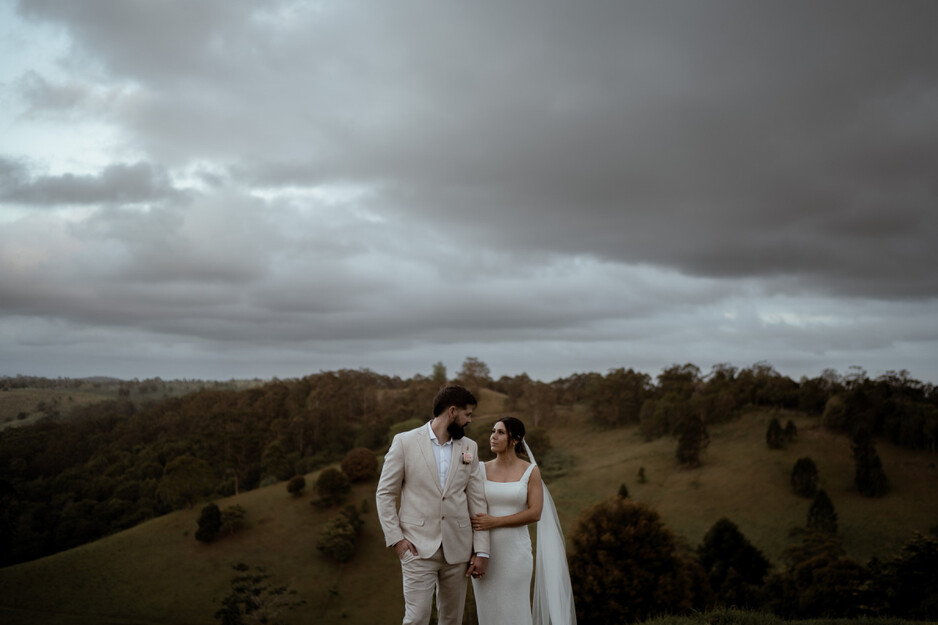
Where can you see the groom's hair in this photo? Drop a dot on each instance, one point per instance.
(452, 396)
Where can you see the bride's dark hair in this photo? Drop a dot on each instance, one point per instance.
(515, 430)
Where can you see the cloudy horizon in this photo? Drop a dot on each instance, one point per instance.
(241, 189)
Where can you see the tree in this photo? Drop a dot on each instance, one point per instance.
(474, 374)
(679, 381)
(209, 523)
(541, 399)
(185, 480)
(821, 515)
(626, 566)
(835, 413)
(360, 464)
(870, 478)
(276, 463)
(439, 374)
(735, 568)
(820, 581)
(332, 486)
(906, 583)
(791, 431)
(774, 435)
(662, 416)
(804, 477)
(617, 398)
(838, 588)
(693, 438)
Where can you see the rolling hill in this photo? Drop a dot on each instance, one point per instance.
(157, 573)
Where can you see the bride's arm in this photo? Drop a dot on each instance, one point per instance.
(530, 515)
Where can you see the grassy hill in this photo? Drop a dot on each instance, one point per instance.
(26, 405)
(157, 573)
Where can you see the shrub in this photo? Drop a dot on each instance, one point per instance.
(232, 520)
(332, 486)
(296, 485)
(821, 515)
(626, 566)
(804, 477)
(360, 464)
(253, 599)
(337, 539)
(209, 523)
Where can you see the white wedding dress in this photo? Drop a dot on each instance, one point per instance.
(503, 596)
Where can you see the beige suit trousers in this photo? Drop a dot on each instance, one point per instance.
(420, 579)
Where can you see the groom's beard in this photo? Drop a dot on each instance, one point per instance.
(456, 431)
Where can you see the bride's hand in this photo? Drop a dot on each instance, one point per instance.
(483, 522)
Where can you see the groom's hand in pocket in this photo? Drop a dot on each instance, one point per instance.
(402, 547)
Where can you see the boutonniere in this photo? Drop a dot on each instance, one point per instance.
(467, 457)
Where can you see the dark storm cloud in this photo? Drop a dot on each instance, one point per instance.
(718, 139)
(360, 178)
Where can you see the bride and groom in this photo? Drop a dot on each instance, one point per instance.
(460, 518)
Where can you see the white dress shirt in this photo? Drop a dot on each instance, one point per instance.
(443, 453)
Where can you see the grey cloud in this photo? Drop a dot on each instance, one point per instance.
(678, 150)
(118, 184)
(742, 143)
(43, 97)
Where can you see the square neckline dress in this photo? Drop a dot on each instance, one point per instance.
(503, 596)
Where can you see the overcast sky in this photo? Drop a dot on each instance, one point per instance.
(244, 188)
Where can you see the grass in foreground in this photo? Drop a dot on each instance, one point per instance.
(742, 617)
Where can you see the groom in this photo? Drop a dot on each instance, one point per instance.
(436, 474)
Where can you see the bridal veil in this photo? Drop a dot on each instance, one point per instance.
(553, 594)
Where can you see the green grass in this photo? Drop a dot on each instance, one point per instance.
(157, 573)
(20, 406)
(745, 481)
(25, 401)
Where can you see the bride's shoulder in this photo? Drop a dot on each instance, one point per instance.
(529, 470)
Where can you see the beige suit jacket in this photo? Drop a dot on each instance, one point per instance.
(431, 515)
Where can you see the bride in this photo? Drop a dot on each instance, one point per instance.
(516, 498)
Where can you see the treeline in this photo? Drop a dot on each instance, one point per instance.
(894, 405)
(109, 466)
(106, 467)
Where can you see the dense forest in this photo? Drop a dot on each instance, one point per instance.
(73, 477)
